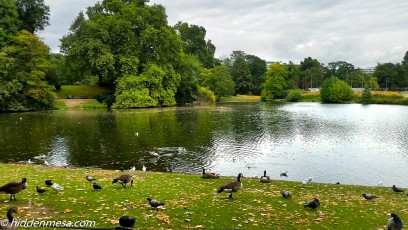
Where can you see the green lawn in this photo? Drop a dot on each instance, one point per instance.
(192, 202)
(85, 92)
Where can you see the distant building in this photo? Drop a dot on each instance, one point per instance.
(369, 70)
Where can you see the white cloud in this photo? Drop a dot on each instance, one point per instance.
(363, 33)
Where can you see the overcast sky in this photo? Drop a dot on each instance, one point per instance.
(362, 33)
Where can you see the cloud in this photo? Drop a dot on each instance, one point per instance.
(363, 33)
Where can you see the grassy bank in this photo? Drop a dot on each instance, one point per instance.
(379, 97)
(192, 202)
(241, 98)
(79, 92)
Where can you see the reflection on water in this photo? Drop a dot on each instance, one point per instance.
(352, 144)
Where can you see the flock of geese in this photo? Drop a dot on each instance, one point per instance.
(14, 187)
(394, 223)
(126, 222)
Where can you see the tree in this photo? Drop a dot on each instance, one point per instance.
(218, 80)
(294, 76)
(194, 43)
(34, 15)
(334, 90)
(241, 73)
(311, 73)
(342, 70)
(189, 70)
(151, 88)
(366, 96)
(386, 74)
(275, 83)
(9, 22)
(122, 38)
(23, 68)
(258, 70)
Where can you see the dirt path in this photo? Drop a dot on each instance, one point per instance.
(72, 103)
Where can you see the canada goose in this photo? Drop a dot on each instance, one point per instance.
(14, 187)
(233, 186)
(315, 203)
(89, 178)
(48, 182)
(40, 190)
(209, 175)
(96, 186)
(127, 222)
(124, 179)
(265, 178)
(154, 203)
(7, 223)
(395, 223)
(285, 194)
(57, 187)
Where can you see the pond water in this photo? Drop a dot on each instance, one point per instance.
(350, 144)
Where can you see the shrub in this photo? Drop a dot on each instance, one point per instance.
(334, 90)
(366, 97)
(205, 95)
(294, 95)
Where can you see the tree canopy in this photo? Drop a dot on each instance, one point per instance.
(23, 69)
(194, 43)
(275, 82)
(34, 15)
(126, 39)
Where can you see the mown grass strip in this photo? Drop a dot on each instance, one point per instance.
(192, 202)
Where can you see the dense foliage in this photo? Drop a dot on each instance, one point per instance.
(334, 90)
(218, 80)
(23, 68)
(194, 43)
(294, 95)
(275, 83)
(366, 96)
(34, 15)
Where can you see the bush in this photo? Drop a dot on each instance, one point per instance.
(366, 97)
(334, 90)
(205, 95)
(294, 95)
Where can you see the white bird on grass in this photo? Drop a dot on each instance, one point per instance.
(144, 168)
(133, 169)
(57, 187)
(380, 183)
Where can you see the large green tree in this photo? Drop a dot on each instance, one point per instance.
(275, 83)
(258, 70)
(189, 70)
(389, 75)
(343, 71)
(218, 80)
(194, 43)
(34, 15)
(240, 72)
(9, 22)
(23, 69)
(124, 39)
(312, 73)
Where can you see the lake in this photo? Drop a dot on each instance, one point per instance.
(346, 143)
